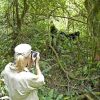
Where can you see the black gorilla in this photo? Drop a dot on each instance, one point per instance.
(71, 36)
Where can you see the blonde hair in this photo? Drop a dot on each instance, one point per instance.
(20, 63)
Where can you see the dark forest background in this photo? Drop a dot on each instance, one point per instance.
(67, 35)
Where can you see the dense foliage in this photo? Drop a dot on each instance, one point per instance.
(71, 67)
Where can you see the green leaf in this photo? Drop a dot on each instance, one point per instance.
(60, 97)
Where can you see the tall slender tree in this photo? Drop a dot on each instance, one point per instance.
(93, 10)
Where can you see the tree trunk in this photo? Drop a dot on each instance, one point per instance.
(17, 21)
(93, 10)
(16, 25)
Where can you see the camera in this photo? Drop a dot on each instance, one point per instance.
(34, 54)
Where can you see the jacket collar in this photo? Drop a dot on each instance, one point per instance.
(13, 67)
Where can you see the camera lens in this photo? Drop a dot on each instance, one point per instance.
(34, 54)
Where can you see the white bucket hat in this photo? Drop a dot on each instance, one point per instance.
(22, 49)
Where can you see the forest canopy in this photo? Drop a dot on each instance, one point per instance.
(66, 33)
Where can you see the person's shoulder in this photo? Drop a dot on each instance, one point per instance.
(8, 67)
(9, 64)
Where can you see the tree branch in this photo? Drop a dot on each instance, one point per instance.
(62, 17)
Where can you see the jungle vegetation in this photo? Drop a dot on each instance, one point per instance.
(71, 66)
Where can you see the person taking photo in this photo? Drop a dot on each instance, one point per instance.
(21, 83)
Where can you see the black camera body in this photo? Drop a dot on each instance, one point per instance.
(34, 54)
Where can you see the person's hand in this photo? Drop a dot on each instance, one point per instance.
(37, 57)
